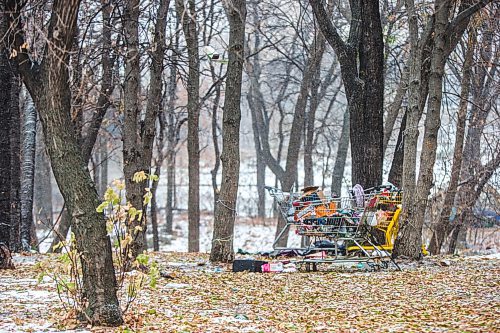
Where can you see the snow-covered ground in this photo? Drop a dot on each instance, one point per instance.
(251, 235)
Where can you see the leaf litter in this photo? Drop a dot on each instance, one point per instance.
(194, 296)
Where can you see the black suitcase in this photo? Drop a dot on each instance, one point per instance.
(250, 265)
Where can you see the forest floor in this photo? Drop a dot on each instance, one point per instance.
(453, 294)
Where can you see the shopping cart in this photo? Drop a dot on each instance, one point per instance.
(337, 229)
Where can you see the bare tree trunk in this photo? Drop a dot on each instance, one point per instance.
(154, 105)
(394, 109)
(343, 147)
(289, 176)
(132, 149)
(103, 103)
(43, 187)
(15, 162)
(406, 232)
(363, 83)
(172, 137)
(188, 19)
(100, 163)
(433, 116)
(170, 191)
(396, 172)
(443, 222)
(444, 36)
(215, 138)
(28, 172)
(154, 212)
(225, 211)
(48, 84)
(5, 148)
(310, 128)
(256, 105)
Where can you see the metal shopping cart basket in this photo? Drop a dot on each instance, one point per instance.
(335, 229)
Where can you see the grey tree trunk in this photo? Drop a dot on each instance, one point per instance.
(289, 176)
(188, 19)
(215, 137)
(28, 172)
(172, 137)
(396, 171)
(343, 147)
(256, 106)
(363, 83)
(43, 188)
(443, 222)
(412, 228)
(48, 84)
(103, 165)
(225, 211)
(154, 100)
(15, 161)
(438, 41)
(103, 103)
(133, 154)
(5, 149)
(154, 212)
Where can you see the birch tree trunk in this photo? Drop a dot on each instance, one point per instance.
(28, 172)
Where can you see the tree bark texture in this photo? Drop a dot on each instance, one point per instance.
(172, 137)
(132, 149)
(289, 175)
(155, 102)
(310, 121)
(443, 222)
(154, 213)
(408, 235)
(188, 19)
(256, 106)
(412, 244)
(367, 124)
(28, 171)
(341, 157)
(43, 187)
(48, 84)
(395, 109)
(215, 136)
(5, 120)
(396, 171)
(103, 102)
(15, 161)
(364, 85)
(225, 211)
(428, 56)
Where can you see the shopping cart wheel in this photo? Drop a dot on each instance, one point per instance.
(311, 266)
(374, 267)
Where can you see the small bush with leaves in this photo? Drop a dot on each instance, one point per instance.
(119, 216)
